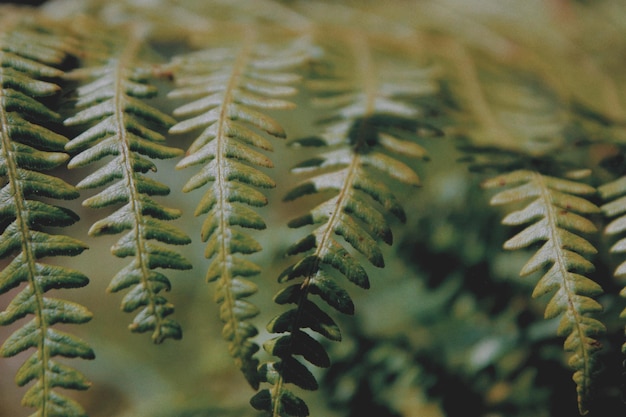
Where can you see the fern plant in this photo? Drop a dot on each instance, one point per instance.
(124, 129)
(369, 112)
(227, 86)
(558, 204)
(363, 93)
(29, 147)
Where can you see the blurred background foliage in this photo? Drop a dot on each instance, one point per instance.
(448, 328)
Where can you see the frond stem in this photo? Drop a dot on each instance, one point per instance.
(365, 69)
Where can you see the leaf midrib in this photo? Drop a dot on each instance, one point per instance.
(221, 179)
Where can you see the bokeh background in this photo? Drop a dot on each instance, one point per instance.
(447, 329)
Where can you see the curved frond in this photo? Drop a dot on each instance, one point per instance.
(112, 101)
(556, 218)
(229, 90)
(373, 115)
(28, 147)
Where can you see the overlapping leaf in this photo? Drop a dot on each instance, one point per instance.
(123, 126)
(27, 147)
(229, 89)
(555, 216)
(374, 113)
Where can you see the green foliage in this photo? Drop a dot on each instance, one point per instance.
(229, 87)
(364, 93)
(554, 214)
(362, 130)
(111, 97)
(613, 193)
(28, 147)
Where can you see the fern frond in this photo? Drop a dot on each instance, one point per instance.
(521, 121)
(373, 115)
(113, 101)
(556, 217)
(230, 89)
(614, 193)
(513, 111)
(27, 147)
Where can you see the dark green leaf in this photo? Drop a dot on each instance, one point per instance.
(332, 293)
(298, 343)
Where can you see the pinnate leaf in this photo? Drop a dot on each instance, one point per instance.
(556, 217)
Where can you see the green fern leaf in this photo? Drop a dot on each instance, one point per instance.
(27, 146)
(613, 192)
(111, 100)
(556, 217)
(230, 88)
(371, 118)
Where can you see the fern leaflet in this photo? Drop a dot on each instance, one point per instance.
(554, 217)
(124, 126)
(371, 116)
(229, 88)
(28, 147)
